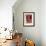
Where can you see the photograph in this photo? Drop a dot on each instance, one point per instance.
(28, 19)
(22, 22)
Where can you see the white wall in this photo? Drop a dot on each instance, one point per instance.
(43, 22)
(6, 13)
(32, 33)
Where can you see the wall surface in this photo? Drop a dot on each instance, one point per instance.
(6, 13)
(32, 33)
(43, 22)
(6, 16)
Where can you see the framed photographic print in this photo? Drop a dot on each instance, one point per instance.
(28, 19)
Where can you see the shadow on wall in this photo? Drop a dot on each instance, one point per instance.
(31, 6)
